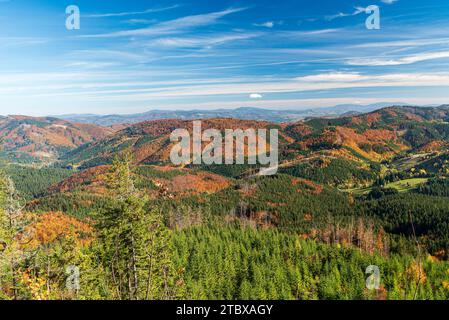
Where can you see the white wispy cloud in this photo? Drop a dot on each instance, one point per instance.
(108, 54)
(91, 65)
(333, 77)
(357, 11)
(319, 82)
(389, 1)
(88, 79)
(82, 87)
(22, 41)
(268, 24)
(399, 61)
(202, 41)
(317, 35)
(404, 43)
(140, 21)
(318, 32)
(130, 13)
(172, 26)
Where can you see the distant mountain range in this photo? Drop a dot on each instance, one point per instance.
(245, 113)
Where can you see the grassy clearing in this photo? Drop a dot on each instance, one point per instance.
(407, 184)
(357, 191)
(402, 186)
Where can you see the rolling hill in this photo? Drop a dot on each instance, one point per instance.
(149, 141)
(374, 136)
(29, 139)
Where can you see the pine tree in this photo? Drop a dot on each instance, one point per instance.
(136, 244)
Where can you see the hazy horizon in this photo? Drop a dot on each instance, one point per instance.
(379, 105)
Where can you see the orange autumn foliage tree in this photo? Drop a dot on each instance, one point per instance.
(51, 226)
(58, 241)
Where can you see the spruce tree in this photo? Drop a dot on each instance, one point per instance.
(135, 243)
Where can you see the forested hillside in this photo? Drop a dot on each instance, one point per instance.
(27, 139)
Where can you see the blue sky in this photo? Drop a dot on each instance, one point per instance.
(132, 56)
